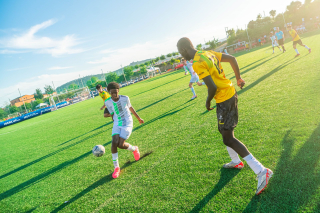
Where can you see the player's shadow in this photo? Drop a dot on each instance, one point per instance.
(49, 172)
(225, 177)
(154, 103)
(98, 183)
(158, 86)
(55, 152)
(296, 179)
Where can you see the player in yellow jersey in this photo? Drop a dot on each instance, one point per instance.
(104, 95)
(207, 64)
(296, 40)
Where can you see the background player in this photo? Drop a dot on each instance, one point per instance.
(120, 107)
(104, 95)
(274, 42)
(207, 65)
(194, 77)
(296, 40)
(280, 37)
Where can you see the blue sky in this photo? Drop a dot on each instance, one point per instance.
(44, 41)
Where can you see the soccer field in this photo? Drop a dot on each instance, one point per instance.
(47, 160)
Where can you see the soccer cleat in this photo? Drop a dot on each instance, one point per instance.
(263, 180)
(116, 172)
(309, 50)
(136, 154)
(193, 97)
(297, 55)
(232, 165)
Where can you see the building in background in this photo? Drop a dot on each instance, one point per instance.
(19, 101)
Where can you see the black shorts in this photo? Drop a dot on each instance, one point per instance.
(281, 41)
(297, 42)
(106, 111)
(227, 113)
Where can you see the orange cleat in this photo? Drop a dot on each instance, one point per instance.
(309, 50)
(297, 55)
(116, 172)
(136, 154)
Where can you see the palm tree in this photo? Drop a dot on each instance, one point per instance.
(273, 13)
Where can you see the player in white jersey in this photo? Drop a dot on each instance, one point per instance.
(194, 77)
(120, 109)
(274, 41)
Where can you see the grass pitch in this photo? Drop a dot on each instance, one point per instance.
(46, 161)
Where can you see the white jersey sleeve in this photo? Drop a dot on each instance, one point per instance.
(108, 104)
(128, 102)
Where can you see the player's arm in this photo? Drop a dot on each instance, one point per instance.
(104, 106)
(141, 121)
(212, 88)
(234, 64)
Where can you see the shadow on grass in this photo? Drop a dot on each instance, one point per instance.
(295, 181)
(158, 86)
(49, 172)
(98, 183)
(31, 210)
(225, 177)
(55, 152)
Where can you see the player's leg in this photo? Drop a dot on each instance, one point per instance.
(106, 113)
(295, 48)
(272, 48)
(192, 90)
(303, 45)
(227, 114)
(124, 135)
(114, 151)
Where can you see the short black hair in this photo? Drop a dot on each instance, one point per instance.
(185, 43)
(113, 85)
(182, 59)
(98, 86)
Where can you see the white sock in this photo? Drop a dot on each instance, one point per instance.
(203, 83)
(131, 148)
(233, 155)
(115, 160)
(296, 51)
(254, 164)
(306, 47)
(192, 90)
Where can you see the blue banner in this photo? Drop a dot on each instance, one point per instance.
(31, 114)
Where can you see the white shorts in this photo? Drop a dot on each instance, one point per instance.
(123, 131)
(274, 44)
(194, 79)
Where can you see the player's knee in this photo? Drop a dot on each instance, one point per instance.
(115, 141)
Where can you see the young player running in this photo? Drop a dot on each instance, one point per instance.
(296, 40)
(104, 95)
(274, 42)
(207, 64)
(194, 77)
(120, 108)
(280, 38)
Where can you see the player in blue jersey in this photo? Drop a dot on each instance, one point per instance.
(194, 77)
(280, 38)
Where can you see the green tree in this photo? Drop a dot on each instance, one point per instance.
(3, 113)
(69, 94)
(94, 79)
(199, 47)
(169, 55)
(136, 66)
(14, 109)
(143, 71)
(128, 72)
(147, 63)
(120, 79)
(28, 105)
(73, 86)
(172, 61)
(157, 59)
(273, 13)
(162, 57)
(38, 94)
(259, 16)
(141, 65)
(62, 96)
(88, 83)
(294, 7)
(48, 89)
(112, 77)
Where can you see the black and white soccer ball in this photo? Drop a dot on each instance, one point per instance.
(98, 150)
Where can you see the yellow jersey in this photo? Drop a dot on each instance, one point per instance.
(104, 95)
(207, 63)
(292, 32)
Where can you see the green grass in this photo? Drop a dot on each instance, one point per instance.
(47, 160)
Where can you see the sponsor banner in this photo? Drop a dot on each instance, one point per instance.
(31, 114)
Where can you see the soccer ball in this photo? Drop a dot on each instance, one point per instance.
(98, 150)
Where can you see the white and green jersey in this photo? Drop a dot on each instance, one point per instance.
(120, 111)
(188, 68)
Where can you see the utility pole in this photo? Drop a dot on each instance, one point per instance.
(104, 77)
(81, 81)
(124, 74)
(285, 24)
(56, 91)
(23, 101)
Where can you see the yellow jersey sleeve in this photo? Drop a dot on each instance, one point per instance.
(201, 69)
(218, 55)
(292, 33)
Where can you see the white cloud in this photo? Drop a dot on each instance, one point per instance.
(59, 68)
(29, 40)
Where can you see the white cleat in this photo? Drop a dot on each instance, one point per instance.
(263, 180)
(193, 97)
(232, 165)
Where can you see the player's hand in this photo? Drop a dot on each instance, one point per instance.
(141, 121)
(241, 83)
(101, 108)
(208, 106)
